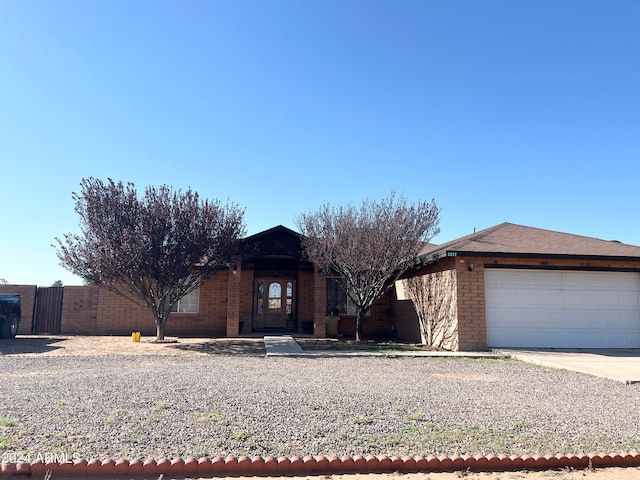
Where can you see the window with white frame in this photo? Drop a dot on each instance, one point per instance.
(189, 303)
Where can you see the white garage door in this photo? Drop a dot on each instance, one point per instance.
(556, 309)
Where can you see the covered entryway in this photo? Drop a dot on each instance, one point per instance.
(274, 304)
(562, 309)
(276, 290)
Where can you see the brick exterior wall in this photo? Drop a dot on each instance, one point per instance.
(245, 299)
(430, 301)
(319, 304)
(79, 310)
(306, 297)
(472, 317)
(117, 315)
(27, 299)
(406, 322)
(234, 278)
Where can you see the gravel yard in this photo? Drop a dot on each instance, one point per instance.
(197, 404)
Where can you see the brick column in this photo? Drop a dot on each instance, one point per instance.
(319, 304)
(233, 300)
(472, 317)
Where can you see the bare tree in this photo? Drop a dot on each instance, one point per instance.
(152, 250)
(3, 281)
(369, 247)
(434, 299)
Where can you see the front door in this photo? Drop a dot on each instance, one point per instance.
(274, 307)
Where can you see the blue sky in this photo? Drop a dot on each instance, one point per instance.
(519, 111)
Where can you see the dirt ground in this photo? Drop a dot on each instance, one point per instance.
(56, 345)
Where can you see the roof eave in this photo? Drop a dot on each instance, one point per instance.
(555, 256)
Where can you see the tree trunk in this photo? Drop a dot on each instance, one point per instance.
(161, 323)
(359, 335)
(159, 330)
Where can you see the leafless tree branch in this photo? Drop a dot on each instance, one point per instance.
(152, 250)
(368, 246)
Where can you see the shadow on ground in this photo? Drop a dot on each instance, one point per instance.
(333, 344)
(21, 345)
(231, 346)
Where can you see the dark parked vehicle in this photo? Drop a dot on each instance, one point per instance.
(9, 315)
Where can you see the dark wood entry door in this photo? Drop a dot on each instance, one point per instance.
(274, 303)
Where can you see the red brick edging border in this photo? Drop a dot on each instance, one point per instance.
(316, 465)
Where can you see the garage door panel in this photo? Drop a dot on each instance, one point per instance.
(554, 309)
(561, 337)
(539, 338)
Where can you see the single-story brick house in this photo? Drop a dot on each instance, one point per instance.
(506, 286)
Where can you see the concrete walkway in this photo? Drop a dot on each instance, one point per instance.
(621, 365)
(286, 346)
(281, 345)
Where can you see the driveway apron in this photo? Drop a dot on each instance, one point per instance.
(621, 365)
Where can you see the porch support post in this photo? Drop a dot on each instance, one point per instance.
(233, 300)
(319, 304)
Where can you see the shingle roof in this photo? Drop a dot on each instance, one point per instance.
(510, 239)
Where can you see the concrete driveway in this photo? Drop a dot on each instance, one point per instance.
(621, 365)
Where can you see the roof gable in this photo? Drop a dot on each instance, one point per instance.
(275, 242)
(278, 229)
(510, 239)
